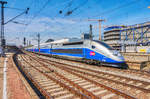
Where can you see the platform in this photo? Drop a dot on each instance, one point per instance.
(12, 84)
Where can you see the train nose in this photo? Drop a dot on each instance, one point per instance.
(121, 58)
(124, 65)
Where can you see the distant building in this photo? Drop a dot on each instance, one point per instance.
(124, 37)
(112, 36)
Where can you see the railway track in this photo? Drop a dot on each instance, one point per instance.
(138, 85)
(132, 72)
(46, 82)
(115, 85)
(87, 87)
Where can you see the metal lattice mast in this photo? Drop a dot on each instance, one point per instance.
(2, 23)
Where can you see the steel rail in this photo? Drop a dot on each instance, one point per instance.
(82, 96)
(93, 75)
(128, 79)
(47, 95)
(133, 86)
(129, 70)
(100, 85)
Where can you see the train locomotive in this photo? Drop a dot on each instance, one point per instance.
(89, 51)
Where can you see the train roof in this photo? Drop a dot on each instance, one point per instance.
(67, 40)
(62, 41)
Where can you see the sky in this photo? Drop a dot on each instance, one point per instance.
(50, 18)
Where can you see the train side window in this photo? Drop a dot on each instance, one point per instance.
(93, 47)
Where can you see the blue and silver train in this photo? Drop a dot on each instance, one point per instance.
(89, 51)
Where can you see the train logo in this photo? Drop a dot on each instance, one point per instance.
(92, 53)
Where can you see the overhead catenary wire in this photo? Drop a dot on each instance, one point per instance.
(117, 8)
(14, 8)
(73, 9)
(79, 6)
(26, 20)
(68, 6)
(38, 12)
(57, 6)
(104, 12)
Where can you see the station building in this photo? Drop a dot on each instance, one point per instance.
(131, 38)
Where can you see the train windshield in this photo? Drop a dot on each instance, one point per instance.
(104, 44)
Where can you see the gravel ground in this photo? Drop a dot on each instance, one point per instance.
(140, 95)
(100, 69)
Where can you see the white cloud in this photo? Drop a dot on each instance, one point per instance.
(56, 28)
(40, 25)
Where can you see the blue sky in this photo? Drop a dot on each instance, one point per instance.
(44, 17)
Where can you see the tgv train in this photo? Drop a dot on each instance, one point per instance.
(89, 51)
